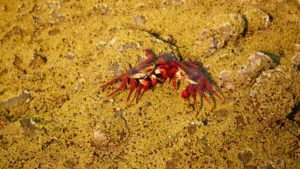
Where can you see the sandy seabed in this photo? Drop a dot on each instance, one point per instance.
(55, 55)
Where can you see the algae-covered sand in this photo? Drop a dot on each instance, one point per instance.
(55, 55)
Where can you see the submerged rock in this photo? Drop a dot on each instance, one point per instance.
(275, 93)
(257, 19)
(226, 29)
(222, 30)
(23, 98)
(258, 62)
(28, 126)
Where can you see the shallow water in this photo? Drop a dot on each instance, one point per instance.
(54, 56)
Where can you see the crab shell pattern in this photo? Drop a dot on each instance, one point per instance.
(157, 69)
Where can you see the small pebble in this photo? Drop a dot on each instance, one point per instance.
(54, 32)
(225, 80)
(204, 34)
(99, 139)
(70, 55)
(139, 19)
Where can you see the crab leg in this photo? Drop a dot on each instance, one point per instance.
(153, 80)
(210, 90)
(200, 90)
(162, 70)
(194, 96)
(112, 81)
(121, 87)
(174, 83)
(138, 92)
(159, 68)
(133, 84)
(150, 55)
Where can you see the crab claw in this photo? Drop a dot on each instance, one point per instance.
(192, 90)
(198, 83)
(139, 78)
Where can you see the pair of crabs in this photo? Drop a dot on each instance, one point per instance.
(157, 69)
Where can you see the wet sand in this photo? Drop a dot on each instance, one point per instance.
(54, 56)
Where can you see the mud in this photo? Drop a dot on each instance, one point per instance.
(55, 55)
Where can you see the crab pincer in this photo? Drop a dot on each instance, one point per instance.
(139, 78)
(198, 83)
(146, 74)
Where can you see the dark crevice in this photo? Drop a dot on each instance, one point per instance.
(276, 59)
(294, 116)
(159, 36)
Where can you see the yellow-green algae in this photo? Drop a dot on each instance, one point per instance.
(62, 51)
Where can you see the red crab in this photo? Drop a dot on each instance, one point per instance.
(199, 83)
(156, 69)
(146, 74)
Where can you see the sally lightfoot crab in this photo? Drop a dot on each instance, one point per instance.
(157, 69)
(146, 74)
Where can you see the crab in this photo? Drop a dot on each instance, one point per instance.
(146, 74)
(157, 69)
